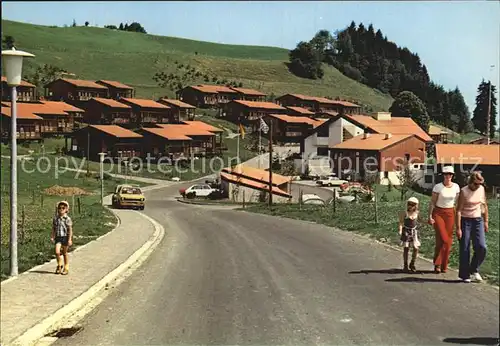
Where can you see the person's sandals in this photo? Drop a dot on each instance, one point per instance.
(59, 269)
(412, 267)
(405, 268)
(65, 271)
(437, 269)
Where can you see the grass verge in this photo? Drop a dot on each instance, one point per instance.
(360, 218)
(36, 208)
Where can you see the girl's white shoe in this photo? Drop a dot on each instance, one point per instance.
(477, 277)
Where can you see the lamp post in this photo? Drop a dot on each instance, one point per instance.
(101, 171)
(13, 62)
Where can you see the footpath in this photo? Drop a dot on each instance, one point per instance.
(32, 301)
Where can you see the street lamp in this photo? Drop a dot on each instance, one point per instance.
(101, 160)
(13, 62)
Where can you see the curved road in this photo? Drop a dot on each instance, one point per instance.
(223, 276)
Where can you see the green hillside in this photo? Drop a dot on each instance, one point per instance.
(134, 58)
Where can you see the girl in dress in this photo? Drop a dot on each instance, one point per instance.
(408, 231)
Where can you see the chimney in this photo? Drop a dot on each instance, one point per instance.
(382, 116)
(366, 135)
(388, 136)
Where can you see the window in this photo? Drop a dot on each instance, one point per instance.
(407, 157)
(322, 151)
(428, 179)
(324, 131)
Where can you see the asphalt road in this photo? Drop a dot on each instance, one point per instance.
(225, 277)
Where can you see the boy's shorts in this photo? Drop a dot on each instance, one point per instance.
(62, 240)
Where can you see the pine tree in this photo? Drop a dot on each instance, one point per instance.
(460, 111)
(480, 117)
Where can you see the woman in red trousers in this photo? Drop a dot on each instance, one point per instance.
(442, 217)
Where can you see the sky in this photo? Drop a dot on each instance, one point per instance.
(458, 41)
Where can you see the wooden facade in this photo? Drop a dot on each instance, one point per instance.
(148, 112)
(207, 96)
(246, 94)
(248, 113)
(318, 104)
(74, 91)
(290, 129)
(181, 110)
(161, 142)
(377, 152)
(25, 91)
(28, 125)
(115, 141)
(117, 90)
(108, 112)
(204, 142)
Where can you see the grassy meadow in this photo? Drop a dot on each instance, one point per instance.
(134, 58)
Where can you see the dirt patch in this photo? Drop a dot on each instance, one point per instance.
(57, 190)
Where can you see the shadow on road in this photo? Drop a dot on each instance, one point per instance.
(473, 341)
(414, 279)
(389, 271)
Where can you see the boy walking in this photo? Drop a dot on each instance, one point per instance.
(62, 236)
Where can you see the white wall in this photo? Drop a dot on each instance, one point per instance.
(238, 192)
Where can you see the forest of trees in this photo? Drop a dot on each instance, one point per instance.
(134, 27)
(366, 55)
(480, 114)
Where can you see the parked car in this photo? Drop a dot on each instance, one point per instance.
(128, 196)
(198, 190)
(330, 181)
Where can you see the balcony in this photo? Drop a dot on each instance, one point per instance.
(293, 134)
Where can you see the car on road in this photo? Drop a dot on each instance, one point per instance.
(126, 195)
(199, 190)
(330, 181)
(312, 198)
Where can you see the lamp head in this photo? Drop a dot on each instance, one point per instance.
(13, 64)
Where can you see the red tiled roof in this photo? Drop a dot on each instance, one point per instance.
(45, 107)
(23, 83)
(257, 174)
(482, 154)
(324, 100)
(66, 107)
(212, 89)
(21, 113)
(296, 120)
(111, 103)
(117, 131)
(115, 84)
(203, 126)
(258, 104)
(253, 184)
(145, 103)
(172, 134)
(374, 141)
(396, 125)
(177, 103)
(250, 92)
(300, 110)
(83, 83)
(187, 130)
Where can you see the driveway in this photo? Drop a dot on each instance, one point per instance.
(224, 277)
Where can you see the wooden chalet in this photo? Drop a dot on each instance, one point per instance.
(379, 153)
(107, 112)
(181, 110)
(25, 91)
(483, 140)
(58, 118)
(207, 96)
(117, 90)
(249, 94)
(318, 104)
(219, 145)
(290, 129)
(437, 134)
(116, 141)
(203, 137)
(248, 113)
(164, 141)
(28, 124)
(74, 91)
(148, 112)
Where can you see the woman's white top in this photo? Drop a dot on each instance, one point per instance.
(447, 196)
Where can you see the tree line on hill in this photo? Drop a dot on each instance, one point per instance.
(133, 27)
(368, 57)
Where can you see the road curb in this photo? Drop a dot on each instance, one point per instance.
(80, 305)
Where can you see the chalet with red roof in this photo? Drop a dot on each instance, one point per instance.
(181, 110)
(117, 90)
(148, 112)
(25, 91)
(105, 111)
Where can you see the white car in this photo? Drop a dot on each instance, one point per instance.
(199, 190)
(330, 181)
(312, 199)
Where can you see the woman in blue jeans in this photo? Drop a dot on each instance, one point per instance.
(472, 223)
